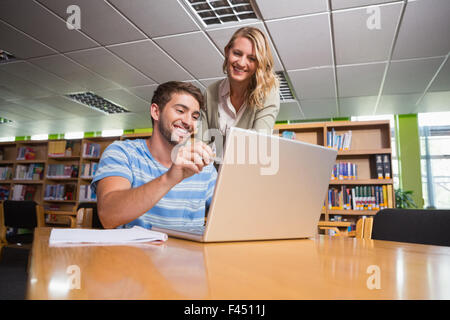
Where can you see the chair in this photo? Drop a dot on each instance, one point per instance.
(14, 260)
(364, 228)
(88, 218)
(414, 226)
(20, 214)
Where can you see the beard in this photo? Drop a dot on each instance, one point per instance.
(169, 134)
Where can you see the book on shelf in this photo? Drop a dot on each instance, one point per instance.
(91, 150)
(60, 192)
(386, 166)
(86, 193)
(23, 192)
(26, 153)
(56, 148)
(344, 171)
(88, 170)
(339, 141)
(289, 135)
(4, 192)
(6, 173)
(68, 152)
(360, 197)
(62, 171)
(32, 171)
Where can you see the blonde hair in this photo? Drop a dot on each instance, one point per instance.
(264, 79)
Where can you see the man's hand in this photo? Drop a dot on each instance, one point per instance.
(189, 159)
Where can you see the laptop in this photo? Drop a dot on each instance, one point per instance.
(268, 188)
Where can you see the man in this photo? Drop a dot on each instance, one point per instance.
(159, 181)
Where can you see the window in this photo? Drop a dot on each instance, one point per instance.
(434, 130)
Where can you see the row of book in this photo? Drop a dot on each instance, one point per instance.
(23, 192)
(86, 193)
(360, 197)
(6, 173)
(344, 171)
(88, 170)
(383, 166)
(61, 148)
(26, 153)
(62, 171)
(60, 192)
(339, 141)
(32, 171)
(91, 150)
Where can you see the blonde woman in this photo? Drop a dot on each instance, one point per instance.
(248, 97)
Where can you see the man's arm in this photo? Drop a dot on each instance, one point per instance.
(119, 204)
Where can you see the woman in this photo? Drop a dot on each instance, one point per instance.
(248, 97)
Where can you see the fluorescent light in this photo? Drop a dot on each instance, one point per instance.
(112, 133)
(96, 102)
(5, 139)
(39, 136)
(74, 135)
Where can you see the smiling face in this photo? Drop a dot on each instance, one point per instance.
(178, 118)
(241, 60)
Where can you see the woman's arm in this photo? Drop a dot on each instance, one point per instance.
(265, 117)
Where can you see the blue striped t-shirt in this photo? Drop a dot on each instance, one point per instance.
(184, 205)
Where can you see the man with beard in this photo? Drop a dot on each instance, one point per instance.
(161, 181)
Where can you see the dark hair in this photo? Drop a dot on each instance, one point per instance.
(164, 93)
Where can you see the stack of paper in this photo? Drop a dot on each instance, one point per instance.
(114, 236)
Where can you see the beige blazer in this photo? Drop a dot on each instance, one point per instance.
(252, 118)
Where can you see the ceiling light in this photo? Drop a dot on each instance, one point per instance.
(5, 56)
(3, 120)
(212, 12)
(285, 89)
(96, 102)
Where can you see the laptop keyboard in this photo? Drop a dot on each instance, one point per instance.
(194, 230)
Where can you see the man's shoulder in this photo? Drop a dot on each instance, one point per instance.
(127, 145)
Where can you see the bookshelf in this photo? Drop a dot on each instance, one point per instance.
(57, 182)
(369, 139)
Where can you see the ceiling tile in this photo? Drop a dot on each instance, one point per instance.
(21, 87)
(299, 50)
(68, 105)
(360, 80)
(424, 31)
(109, 66)
(20, 45)
(99, 20)
(144, 92)
(287, 8)
(342, 4)
(289, 111)
(30, 72)
(410, 76)
(442, 81)
(157, 17)
(14, 112)
(43, 107)
(223, 35)
(148, 58)
(397, 104)
(319, 108)
(357, 106)
(208, 82)
(434, 102)
(125, 99)
(73, 72)
(33, 19)
(313, 83)
(202, 60)
(25, 111)
(356, 41)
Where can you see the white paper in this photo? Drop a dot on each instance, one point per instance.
(113, 236)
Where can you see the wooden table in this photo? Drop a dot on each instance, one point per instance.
(320, 268)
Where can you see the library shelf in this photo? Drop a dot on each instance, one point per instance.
(361, 182)
(367, 140)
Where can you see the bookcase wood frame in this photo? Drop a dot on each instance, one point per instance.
(368, 139)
